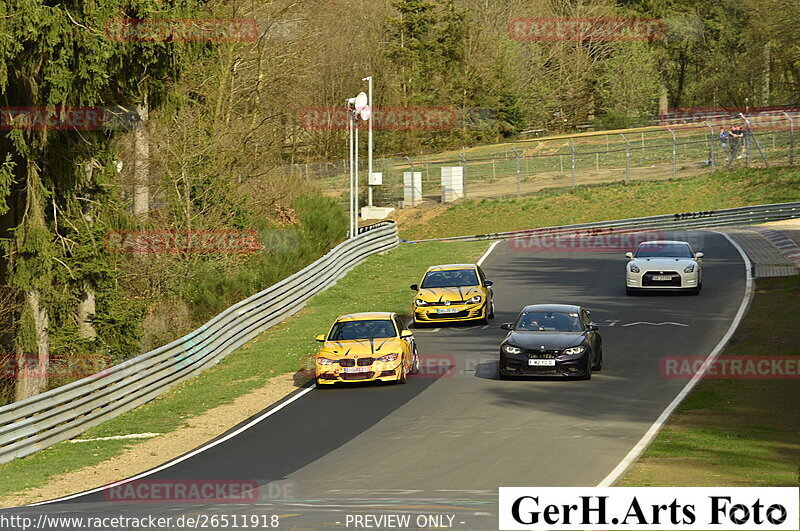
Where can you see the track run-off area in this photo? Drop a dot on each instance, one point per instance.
(437, 448)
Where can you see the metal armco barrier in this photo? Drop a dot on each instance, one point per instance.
(686, 220)
(62, 413)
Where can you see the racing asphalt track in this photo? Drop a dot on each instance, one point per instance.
(444, 443)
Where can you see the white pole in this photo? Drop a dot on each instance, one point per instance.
(369, 140)
(355, 194)
(350, 130)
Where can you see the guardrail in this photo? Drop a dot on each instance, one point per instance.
(685, 220)
(62, 413)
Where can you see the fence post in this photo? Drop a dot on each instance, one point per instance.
(413, 199)
(627, 159)
(464, 173)
(791, 138)
(517, 153)
(750, 134)
(711, 145)
(674, 152)
(572, 148)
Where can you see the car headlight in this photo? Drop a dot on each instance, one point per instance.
(509, 349)
(324, 361)
(689, 268)
(387, 357)
(420, 302)
(574, 351)
(474, 300)
(634, 268)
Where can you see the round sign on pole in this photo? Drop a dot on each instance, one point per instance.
(361, 101)
(366, 113)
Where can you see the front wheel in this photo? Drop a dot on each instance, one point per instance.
(401, 378)
(588, 374)
(415, 362)
(485, 319)
(491, 313)
(599, 365)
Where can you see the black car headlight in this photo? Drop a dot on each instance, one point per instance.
(634, 268)
(510, 349)
(420, 302)
(574, 351)
(474, 300)
(689, 268)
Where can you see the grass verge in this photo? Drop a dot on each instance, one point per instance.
(737, 432)
(379, 284)
(563, 206)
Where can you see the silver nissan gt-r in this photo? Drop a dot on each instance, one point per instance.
(664, 265)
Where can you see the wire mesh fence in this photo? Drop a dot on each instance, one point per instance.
(528, 166)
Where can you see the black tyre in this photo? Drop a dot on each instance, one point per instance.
(485, 319)
(415, 362)
(491, 314)
(599, 365)
(588, 374)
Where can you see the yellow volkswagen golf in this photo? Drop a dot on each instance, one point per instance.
(359, 347)
(453, 292)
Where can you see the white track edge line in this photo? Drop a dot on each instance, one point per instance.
(648, 437)
(185, 456)
(488, 252)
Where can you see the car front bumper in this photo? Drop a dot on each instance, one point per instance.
(679, 281)
(564, 367)
(378, 371)
(456, 312)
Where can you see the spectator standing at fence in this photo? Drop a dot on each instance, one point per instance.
(736, 136)
(725, 139)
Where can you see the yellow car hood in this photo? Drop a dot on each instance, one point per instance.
(449, 294)
(361, 348)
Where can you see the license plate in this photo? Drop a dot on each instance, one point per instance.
(448, 310)
(662, 277)
(356, 369)
(542, 363)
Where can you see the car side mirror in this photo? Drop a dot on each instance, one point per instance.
(507, 326)
(488, 283)
(592, 327)
(629, 255)
(406, 333)
(698, 255)
(415, 287)
(320, 337)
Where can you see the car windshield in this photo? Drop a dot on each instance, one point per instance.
(664, 250)
(366, 329)
(549, 322)
(453, 278)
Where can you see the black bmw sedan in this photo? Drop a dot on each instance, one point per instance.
(551, 340)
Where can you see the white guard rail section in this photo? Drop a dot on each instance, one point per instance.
(62, 413)
(686, 220)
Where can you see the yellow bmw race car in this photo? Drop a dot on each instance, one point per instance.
(453, 292)
(361, 347)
